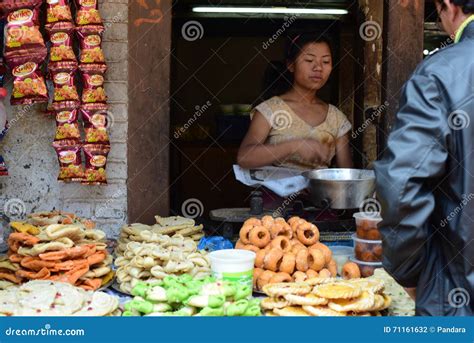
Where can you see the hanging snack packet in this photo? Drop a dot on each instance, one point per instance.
(87, 13)
(91, 55)
(95, 121)
(93, 88)
(28, 85)
(23, 40)
(96, 160)
(3, 123)
(61, 54)
(70, 162)
(58, 15)
(67, 127)
(64, 90)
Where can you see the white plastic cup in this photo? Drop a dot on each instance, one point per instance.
(233, 265)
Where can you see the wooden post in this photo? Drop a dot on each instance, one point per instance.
(149, 32)
(369, 31)
(403, 50)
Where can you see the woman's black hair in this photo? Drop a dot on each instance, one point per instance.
(277, 78)
(466, 5)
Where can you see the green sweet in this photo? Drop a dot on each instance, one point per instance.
(140, 289)
(254, 302)
(177, 294)
(243, 292)
(253, 311)
(142, 306)
(194, 287)
(185, 278)
(215, 312)
(170, 281)
(229, 289)
(128, 314)
(238, 308)
(216, 301)
(209, 279)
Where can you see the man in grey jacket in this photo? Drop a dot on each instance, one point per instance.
(425, 180)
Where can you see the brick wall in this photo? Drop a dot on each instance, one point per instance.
(32, 161)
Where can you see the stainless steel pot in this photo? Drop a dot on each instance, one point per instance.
(340, 188)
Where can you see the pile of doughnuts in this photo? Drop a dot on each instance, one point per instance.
(286, 251)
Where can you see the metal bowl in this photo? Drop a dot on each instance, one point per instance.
(342, 188)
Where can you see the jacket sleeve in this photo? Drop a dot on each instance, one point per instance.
(408, 173)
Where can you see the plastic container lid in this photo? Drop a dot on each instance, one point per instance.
(366, 241)
(370, 264)
(371, 216)
(232, 256)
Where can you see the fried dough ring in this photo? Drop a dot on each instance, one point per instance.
(259, 236)
(316, 259)
(302, 263)
(307, 233)
(282, 243)
(267, 221)
(260, 258)
(281, 277)
(324, 249)
(281, 229)
(264, 278)
(252, 222)
(332, 267)
(293, 219)
(350, 270)
(299, 276)
(244, 233)
(239, 244)
(288, 263)
(273, 259)
(256, 274)
(325, 273)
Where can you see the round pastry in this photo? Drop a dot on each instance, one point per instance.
(281, 243)
(281, 277)
(267, 221)
(264, 278)
(260, 257)
(288, 263)
(273, 259)
(307, 233)
(239, 244)
(325, 273)
(302, 263)
(299, 276)
(281, 229)
(324, 249)
(251, 248)
(256, 274)
(244, 233)
(332, 267)
(316, 259)
(252, 222)
(259, 236)
(312, 274)
(293, 219)
(350, 270)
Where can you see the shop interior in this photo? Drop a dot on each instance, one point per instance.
(217, 78)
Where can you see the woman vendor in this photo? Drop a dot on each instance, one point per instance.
(294, 128)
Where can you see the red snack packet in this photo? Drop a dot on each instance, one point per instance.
(96, 160)
(70, 162)
(64, 90)
(95, 121)
(93, 88)
(58, 15)
(28, 85)
(91, 51)
(23, 40)
(88, 13)
(67, 127)
(61, 54)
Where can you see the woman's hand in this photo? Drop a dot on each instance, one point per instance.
(311, 150)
